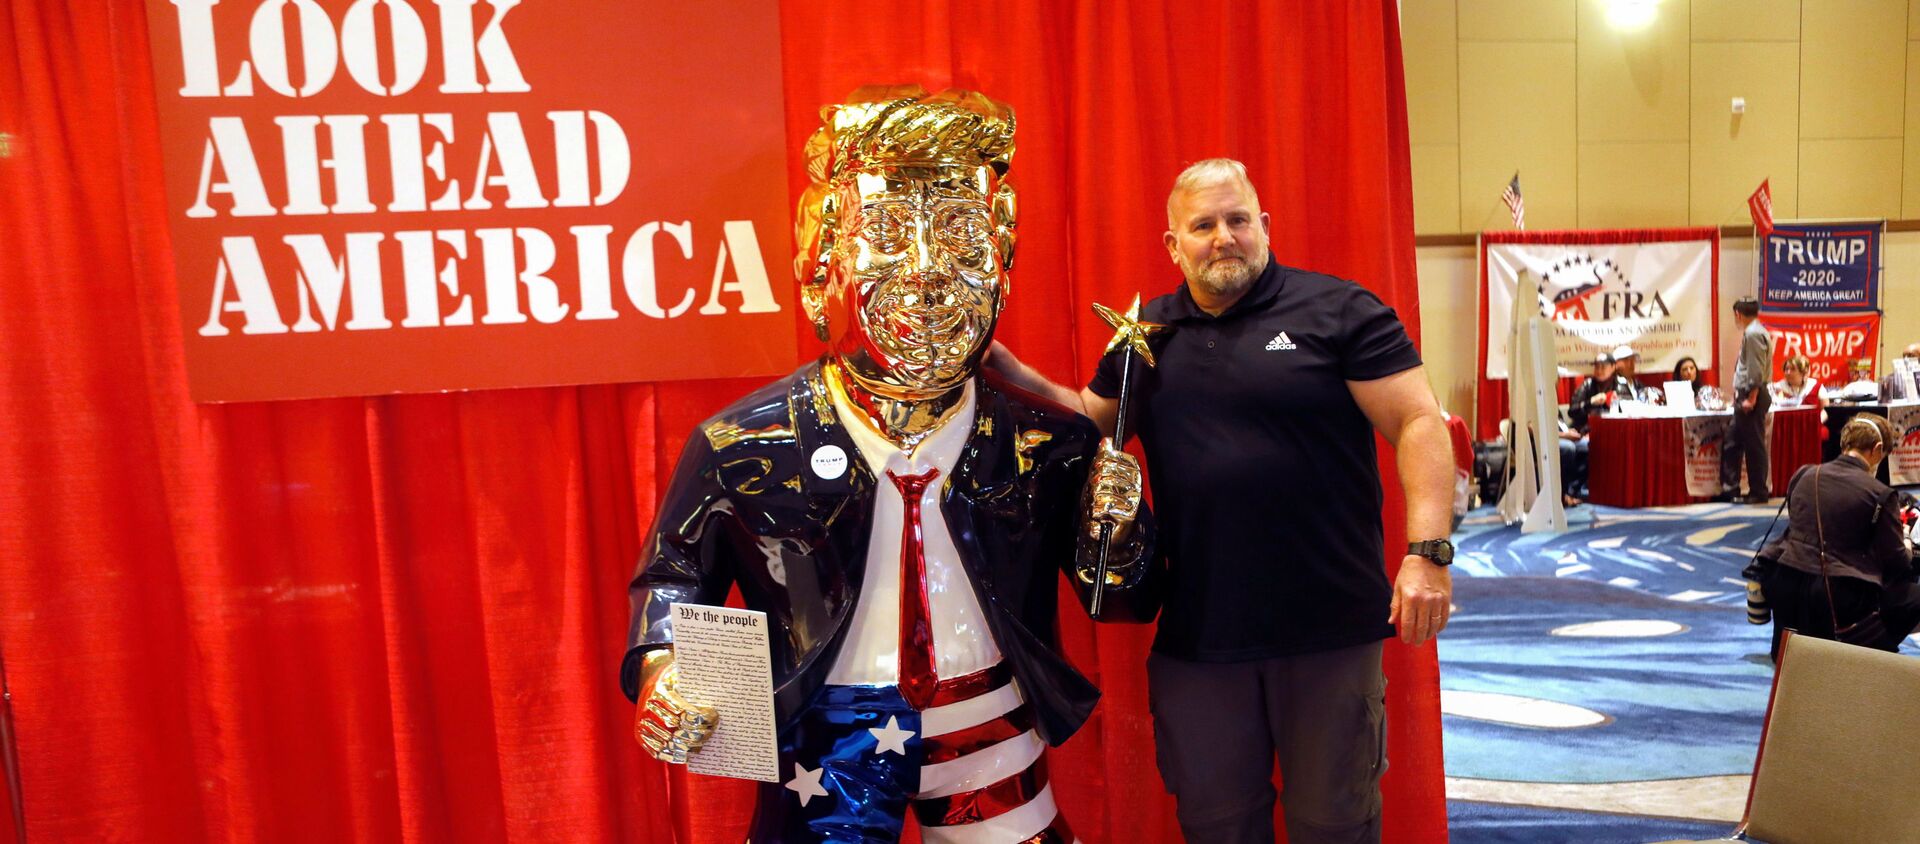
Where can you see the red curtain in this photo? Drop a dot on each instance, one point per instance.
(399, 618)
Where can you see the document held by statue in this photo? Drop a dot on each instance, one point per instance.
(724, 662)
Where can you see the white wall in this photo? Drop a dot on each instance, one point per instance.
(1449, 310)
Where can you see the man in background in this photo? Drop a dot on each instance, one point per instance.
(1747, 438)
(1626, 383)
(1594, 395)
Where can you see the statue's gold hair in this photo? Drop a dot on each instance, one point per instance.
(888, 126)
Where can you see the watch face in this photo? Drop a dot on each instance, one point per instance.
(1437, 550)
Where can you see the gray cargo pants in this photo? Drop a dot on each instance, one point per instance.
(1218, 728)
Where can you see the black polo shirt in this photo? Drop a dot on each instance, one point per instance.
(1262, 465)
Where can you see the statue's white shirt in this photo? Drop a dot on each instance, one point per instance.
(962, 642)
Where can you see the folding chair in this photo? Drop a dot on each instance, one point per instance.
(1839, 756)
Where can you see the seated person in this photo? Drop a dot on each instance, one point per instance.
(1860, 388)
(1573, 466)
(1839, 506)
(1687, 370)
(1594, 395)
(1795, 389)
(1895, 388)
(1625, 381)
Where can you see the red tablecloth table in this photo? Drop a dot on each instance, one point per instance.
(1640, 463)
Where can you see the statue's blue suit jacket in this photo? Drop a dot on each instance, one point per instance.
(747, 508)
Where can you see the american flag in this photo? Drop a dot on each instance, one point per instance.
(1511, 196)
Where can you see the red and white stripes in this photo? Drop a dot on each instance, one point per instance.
(984, 778)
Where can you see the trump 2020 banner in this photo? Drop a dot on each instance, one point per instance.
(1903, 465)
(1649, 289)
(378, 196)
(1824, 267)
(1829, 342)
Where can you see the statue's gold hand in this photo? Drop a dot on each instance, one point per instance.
(666, 723)
(1112, 498)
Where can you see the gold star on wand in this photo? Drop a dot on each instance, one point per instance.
(1128, 330)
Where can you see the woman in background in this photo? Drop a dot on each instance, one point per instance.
(1845, 554)
(1689, 371)
(1795, 389)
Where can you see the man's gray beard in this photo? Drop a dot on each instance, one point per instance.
(1222, 280)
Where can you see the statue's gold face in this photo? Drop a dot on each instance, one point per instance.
(916, 281)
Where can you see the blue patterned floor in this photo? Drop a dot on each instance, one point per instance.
(1492, 823)
(1603, 684)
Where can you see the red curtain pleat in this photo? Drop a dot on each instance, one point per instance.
(399, 618)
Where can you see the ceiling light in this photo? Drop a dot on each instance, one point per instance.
(1630, 15)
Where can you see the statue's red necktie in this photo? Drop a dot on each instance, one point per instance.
(917, 677)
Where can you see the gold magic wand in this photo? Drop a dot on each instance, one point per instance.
(1130, 338)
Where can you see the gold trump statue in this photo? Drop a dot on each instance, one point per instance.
(900, 515)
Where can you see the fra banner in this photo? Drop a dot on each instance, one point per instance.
(1825, 267)
(1652, 289)
(377, 196)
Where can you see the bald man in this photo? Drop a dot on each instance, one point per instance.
(1258, 425)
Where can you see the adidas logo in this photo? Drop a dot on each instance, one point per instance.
(1280, 342)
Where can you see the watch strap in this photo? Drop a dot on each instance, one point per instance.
(1433, 549)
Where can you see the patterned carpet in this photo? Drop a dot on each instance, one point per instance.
(1603, 685)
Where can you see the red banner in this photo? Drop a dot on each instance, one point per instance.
(389, 196)
(1828, 341)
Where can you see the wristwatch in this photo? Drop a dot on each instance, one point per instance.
(1440, 551)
